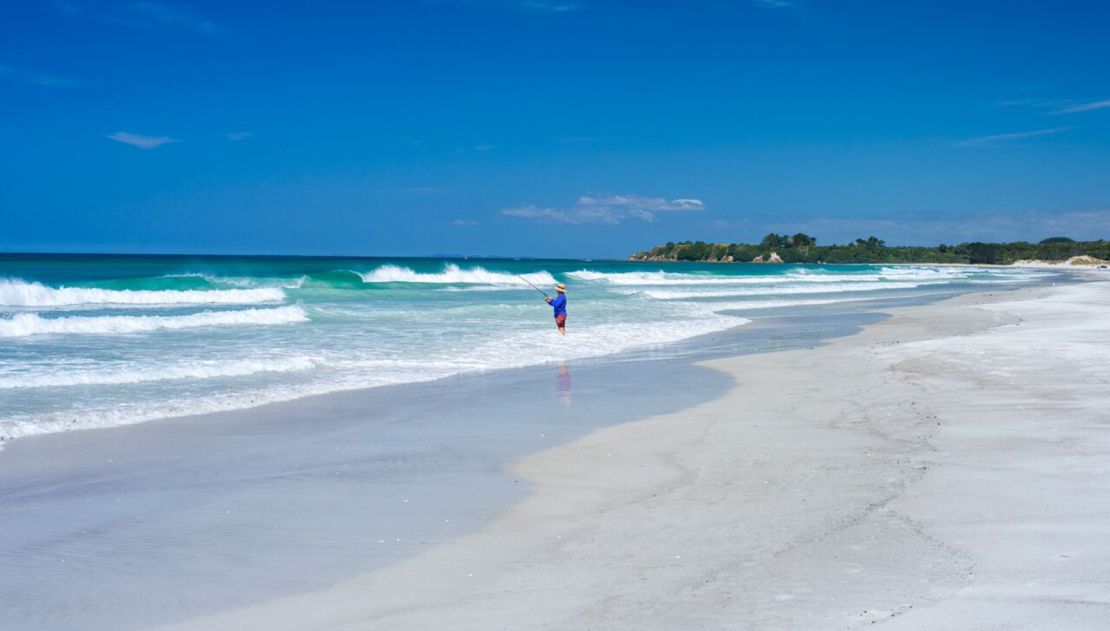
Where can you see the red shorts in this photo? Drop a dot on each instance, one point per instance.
(561, 320)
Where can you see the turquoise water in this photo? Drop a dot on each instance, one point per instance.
(96, 341)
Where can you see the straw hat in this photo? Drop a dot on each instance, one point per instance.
(561, 287)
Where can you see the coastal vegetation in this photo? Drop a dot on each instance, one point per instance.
(803, 248)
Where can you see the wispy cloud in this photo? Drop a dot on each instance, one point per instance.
(530, 6)
(608, 210)
(142, 142)
(143, 14)
(1036, 103)
(36, 78)
(236, 136)
(1084, 107)
(463, 222)
(989, 141)
(1057, 107)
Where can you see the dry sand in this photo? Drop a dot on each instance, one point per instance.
(948, 468)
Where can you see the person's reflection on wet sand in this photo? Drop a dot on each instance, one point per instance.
(564, 383)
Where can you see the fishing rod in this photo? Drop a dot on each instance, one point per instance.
(533, 286)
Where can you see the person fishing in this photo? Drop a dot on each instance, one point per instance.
(559, 304)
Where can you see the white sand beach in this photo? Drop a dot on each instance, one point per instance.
(946, 468)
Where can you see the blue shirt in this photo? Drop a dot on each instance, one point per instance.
(559, 304)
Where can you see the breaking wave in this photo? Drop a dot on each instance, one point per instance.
(793, 276)
(28, 324)
(18, 293)
(685, 294)
(453, 274)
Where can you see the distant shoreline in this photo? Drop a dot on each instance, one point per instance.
(1038, 264)
(803, 248)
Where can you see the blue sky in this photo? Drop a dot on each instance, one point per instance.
(548, 127)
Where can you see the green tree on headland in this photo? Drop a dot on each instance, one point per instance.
(802, 248)
(802, 240)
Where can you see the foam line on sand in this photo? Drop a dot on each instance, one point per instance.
(948, 468)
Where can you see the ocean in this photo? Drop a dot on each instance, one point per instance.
(91, 341)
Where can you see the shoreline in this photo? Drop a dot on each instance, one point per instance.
(233, 497)
(293, 378)
(792, 504)
(9, 436)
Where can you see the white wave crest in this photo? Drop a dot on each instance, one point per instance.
(671, 278)
(203, 369)
(243, 281)
(17, 293)
(776, 290)
(912, 272)
(28, 324)
(800, 275)
(453, 274)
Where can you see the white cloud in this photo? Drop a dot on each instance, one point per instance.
(1084, 107)
(987, 141)
(543, 215)
(607, 210)
(641, 203)
(463, 222)
(236, 136)
(142, 142)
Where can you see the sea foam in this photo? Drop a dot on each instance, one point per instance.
(661, 278)
(203, 369)
(68, 367)
(28, 324)
(519, 349)
(453, 274)
(688, 294)
(18, 293)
